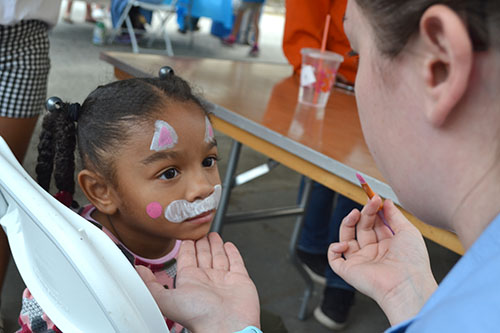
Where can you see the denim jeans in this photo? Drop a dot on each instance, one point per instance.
(321, 225)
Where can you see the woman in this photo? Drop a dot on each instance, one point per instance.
(428, 94)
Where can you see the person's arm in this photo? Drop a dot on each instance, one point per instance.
(394, 270)
(213, 291)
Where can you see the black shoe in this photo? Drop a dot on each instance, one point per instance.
(315, 265)
(335, 308)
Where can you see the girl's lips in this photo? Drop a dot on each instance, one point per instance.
(202, 218)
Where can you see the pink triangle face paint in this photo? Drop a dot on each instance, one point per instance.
(369, 192)
(209, 131)
(164, 136)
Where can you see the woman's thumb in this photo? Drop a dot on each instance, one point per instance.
(395, 217)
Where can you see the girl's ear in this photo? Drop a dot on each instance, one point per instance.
(99, 191)
(448, 61)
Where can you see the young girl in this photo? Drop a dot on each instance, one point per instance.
(149, 156)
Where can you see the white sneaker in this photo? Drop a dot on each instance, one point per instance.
(315, 277)
(327, 321)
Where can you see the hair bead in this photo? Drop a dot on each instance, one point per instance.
(165, 72)
(53, 104)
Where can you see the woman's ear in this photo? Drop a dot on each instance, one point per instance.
(449, 56)
(99, 191)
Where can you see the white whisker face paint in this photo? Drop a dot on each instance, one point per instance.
(209, 131)
(164, 137)
(180, 210)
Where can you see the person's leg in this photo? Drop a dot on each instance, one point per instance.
(67, 14)
(229, 40)
(313, 238)
(313, 242)
(342, 208)
(237, 23)
(254, 51)
(88, 14)
(17, 133)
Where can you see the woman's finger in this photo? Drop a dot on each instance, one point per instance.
(236, 264)
(348, 226)
(203, 254)
(219, 256)
(335, 251)
(365, 232)
(395, 217)
(187, 255)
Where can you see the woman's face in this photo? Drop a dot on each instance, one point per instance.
(388, 95)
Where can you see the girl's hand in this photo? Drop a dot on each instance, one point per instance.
(213, 291)
(394, 270)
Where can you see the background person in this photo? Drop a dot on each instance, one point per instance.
(255, 6)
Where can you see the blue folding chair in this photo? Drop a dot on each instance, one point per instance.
(165, 9)
(75, 272)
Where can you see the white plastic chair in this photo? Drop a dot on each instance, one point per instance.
(165, 8)
(75, 272)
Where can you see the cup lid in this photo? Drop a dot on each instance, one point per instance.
(75, 272)
(326, 55)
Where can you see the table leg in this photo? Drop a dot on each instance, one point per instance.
(227, 186)
(304, 201)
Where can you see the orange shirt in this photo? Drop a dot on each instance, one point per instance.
(304, 24)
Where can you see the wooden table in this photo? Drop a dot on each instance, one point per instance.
(256, 104)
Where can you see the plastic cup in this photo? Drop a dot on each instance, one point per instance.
(317, 76)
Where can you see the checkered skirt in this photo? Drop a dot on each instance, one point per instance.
(24, 68)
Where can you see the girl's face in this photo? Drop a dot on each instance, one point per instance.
(172, 158)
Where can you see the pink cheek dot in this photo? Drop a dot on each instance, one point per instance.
(154, 210)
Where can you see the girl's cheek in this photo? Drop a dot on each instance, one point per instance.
(154, 210)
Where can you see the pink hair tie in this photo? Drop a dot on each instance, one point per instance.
(64, 197)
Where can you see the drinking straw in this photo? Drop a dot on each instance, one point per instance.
(325, 33)
(323, 48)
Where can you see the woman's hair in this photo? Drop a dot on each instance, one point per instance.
(104, 120)
(396, 21)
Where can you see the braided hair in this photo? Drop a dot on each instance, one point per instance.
(100, 126)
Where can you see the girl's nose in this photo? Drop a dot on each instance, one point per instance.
(199, 187)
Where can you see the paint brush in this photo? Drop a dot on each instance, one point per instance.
(369, 192)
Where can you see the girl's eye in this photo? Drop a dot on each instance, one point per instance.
(169, 174)
(208, 162)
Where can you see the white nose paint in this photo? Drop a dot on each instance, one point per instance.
(180, 210)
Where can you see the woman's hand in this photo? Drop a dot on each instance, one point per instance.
(394, 270)
(213, 291)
